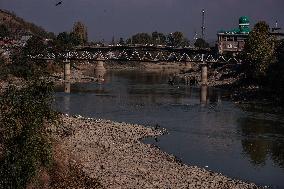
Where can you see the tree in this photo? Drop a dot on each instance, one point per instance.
(177, 39)
(80, 30)
(158, 38)
(65, 41)
(201, 43)
(141, 38)
(27, 148)
(23, 66)
(35, 46)
(63, 38)
(121, 41)
(4, 32)
(259, 51)
(275, 75)
(74, 39)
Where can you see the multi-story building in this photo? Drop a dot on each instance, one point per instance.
(233, 41)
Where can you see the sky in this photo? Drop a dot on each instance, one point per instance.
(123, 18)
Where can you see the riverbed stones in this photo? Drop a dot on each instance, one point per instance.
(112, 153)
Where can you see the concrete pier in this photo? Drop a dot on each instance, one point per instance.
(67, 70)
(100, 70)
(188, 65)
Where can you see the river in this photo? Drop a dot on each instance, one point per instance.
(205, 127)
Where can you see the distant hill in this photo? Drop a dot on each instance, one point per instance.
(18, 27)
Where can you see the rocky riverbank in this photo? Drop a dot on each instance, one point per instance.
(219, 75)
(112, 154)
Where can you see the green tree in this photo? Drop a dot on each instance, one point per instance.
(177, 39)
(121, 41)
(23, 66)
(158, 38)
(80, 31)
(24, 116)
(275, 76)
(4, 32)
(141, 38)
(74, 40)
(259, 52)
(35, 46)
(201, 43)
(65, 41)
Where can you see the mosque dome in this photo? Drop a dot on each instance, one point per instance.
(244, 20)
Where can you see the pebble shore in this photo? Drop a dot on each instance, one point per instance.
(112, 153)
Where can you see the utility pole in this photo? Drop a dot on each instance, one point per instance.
(203, 24)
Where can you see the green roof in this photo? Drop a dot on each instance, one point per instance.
(243, 27)
(245, 30)
(244, 20)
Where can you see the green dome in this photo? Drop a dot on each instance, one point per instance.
(244, 20)
(245, 30)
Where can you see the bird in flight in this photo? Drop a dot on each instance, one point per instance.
(59, 3)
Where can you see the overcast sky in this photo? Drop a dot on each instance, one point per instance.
(122, 18)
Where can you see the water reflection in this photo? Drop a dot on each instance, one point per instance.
(67, 87)
(203, 95)
(263, 140)
(239, 143)
(66, 104)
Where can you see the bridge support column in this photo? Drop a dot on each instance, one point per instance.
(188, 65)
(100, 70)
(204, 75)
(67, 70)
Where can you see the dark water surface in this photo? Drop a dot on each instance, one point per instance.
(205, 128)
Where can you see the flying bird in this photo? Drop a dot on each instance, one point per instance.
(59, 3)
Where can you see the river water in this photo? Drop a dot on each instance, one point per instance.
(205, 127)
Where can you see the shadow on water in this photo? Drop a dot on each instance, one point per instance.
(205, 128)
(263, 139)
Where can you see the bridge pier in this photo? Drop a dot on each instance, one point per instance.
(67, 70)
(188, 65)
(100, 70)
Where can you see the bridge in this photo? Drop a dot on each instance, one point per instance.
(99, 55)
(138, 53)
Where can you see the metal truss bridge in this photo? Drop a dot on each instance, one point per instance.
(141, 54)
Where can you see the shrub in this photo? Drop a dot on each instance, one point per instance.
(24, 114)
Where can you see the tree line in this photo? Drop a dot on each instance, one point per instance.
(175, 39)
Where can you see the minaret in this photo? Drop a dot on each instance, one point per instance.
(203, 24)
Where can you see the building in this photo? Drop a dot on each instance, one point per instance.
(277, 32)
(233, 41)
